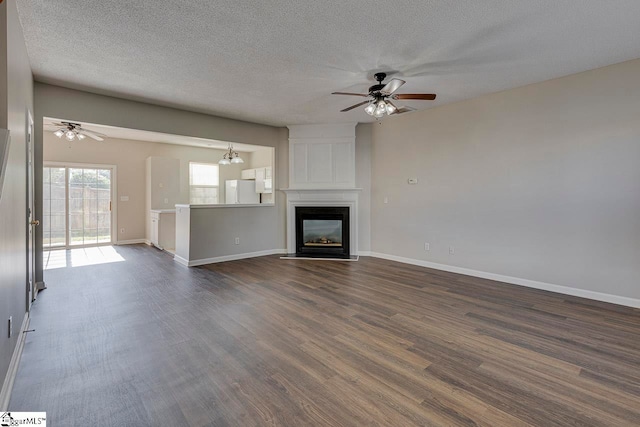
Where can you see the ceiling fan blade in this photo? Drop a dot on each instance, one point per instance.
(91, 134)
(349, 93)
(354, 106)
(404, 109)
(422, 96)
(392, 86)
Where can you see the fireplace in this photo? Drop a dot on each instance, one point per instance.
(322, 231)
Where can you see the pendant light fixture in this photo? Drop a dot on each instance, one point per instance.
(230, 157)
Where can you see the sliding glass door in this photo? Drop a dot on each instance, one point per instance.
(77, 206)
(54, 222)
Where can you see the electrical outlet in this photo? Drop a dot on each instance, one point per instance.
(427, 247)
(166, 200)
(386, 200)
(122, 231)
(10, 329)
(237, 240)
(451, 250)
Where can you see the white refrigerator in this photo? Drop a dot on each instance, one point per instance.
(240, 191)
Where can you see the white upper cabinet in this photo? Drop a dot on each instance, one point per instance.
(248, 174)
(263, 178)
(163, 182)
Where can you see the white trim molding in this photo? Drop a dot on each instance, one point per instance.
(7, 385)
(196, 262)
(133, 242)
(565, 290)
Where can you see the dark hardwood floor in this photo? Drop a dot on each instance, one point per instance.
(266, 341)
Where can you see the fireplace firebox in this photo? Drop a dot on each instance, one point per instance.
(322, 231)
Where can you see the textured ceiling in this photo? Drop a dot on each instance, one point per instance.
(276, 62)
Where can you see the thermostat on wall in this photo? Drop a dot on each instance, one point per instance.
(413, 180)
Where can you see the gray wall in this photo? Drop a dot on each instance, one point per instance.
(540, 182)
(79, 106)
(3, 66)
(213, 231)
(363, 180)
(16, 87)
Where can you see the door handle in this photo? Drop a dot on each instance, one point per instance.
(35, 222)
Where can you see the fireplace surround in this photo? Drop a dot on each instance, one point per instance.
(331, 198)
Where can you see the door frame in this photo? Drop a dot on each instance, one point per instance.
(114, 201)
(32, 285)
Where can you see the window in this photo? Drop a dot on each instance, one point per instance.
(203, 183)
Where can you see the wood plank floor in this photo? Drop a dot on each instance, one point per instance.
(266, 341)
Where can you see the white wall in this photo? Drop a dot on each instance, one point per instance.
(79, 106)
(540, 182)
(16, 97)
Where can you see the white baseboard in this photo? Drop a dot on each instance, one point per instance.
(181, 260)
(7, 385)
(132, 242)
(196, 262)
(566, 290)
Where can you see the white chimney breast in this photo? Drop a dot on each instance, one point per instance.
(322, 156)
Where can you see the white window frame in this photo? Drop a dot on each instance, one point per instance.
(205, 186)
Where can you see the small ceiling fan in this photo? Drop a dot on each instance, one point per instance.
(380, 94)
(72, 131)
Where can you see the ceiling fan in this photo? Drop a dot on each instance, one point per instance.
(72, 131)
(379, 95)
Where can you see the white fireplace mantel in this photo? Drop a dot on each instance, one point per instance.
(346, 197)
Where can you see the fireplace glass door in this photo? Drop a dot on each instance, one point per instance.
(322, 231)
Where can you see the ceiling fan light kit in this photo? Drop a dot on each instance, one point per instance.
(380, 94)
(71, 131)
